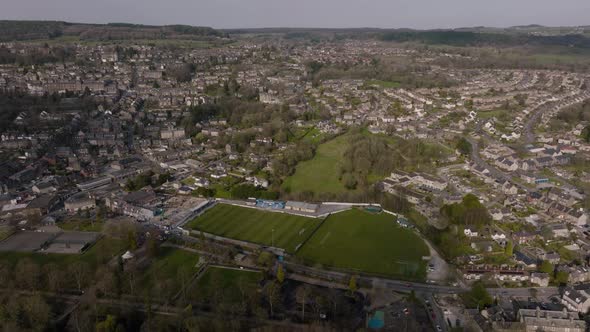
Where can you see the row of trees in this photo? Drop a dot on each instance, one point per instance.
(146, 179)
(469, 212)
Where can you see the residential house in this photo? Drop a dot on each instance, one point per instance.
(576, 300)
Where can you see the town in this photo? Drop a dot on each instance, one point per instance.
(229, 180)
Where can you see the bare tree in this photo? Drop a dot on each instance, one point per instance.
(37, 312)
(28, 273)
(301, 295)
(131, 274)
(80, 271)
(272, 295)
(54, 277)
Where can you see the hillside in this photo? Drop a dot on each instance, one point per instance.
(30, 30)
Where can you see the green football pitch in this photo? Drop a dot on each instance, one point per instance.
(358, 240)
(263, 227)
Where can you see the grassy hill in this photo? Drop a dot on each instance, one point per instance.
(320, 174)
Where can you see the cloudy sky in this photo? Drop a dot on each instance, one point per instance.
(307, 13)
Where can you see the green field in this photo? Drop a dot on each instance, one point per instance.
(81, 225)
(99, 254)
(230, 284)
(384, 84)
(256, 226)
(169, 268)
(167, 263)
(320, 174)
(372, 243)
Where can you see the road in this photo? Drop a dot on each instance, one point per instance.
(555, 107)
(540, 292)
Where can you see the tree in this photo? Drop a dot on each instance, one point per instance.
(80, 271)
(54, 277)
(152, 247)
(191, 324)
(478, 296)
(107, 325)
(509, 248)
(562, 277)
(28, 273)
(280, 274)
(131, 275)
(36, 311)
(272, 295)
(586, 134)
(301, 295)
(352, 286)
(546, 267)
(131, 239)
(464, 147)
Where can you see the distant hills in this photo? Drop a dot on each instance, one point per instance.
(30, 30)
(535, 35)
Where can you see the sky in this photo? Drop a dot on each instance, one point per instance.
(419, 14)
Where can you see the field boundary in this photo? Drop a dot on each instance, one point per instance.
(302, 244)
(251, 245)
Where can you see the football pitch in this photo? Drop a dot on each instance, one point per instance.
(255, 226)
(360, 241)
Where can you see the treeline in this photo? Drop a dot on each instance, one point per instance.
(239, 113)
(469, 212)
(408, 75)
(146, 179)
(567, 60)
(470, 38)
(28, 30)
(368, 155)
(245, 191)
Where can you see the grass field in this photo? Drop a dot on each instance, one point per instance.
(230, 284)
(255, 225)
(320, 174)
(100, 253)
(372, 243)
(169, 260)
(384, 84)
(168, 268)
(82, 225)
